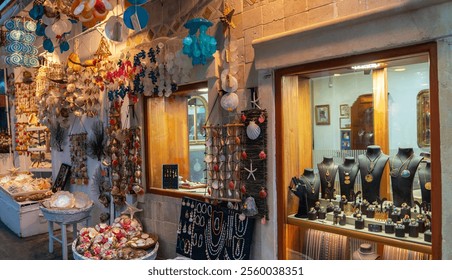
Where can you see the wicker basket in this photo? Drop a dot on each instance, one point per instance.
(149, 256)
(65, 215)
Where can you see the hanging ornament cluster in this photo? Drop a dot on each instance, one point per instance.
(119, 80)
(96, 146)
(19, 47)
(25, 107)
(90, 12)
(223, 159)
(100, 179)
(54, 23)
(160, 72)
(83, 92)
(79, 169)
(199, 47)
(114, 152)
(132, 152)
(254, 156)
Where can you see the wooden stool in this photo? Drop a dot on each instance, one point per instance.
(63, 240)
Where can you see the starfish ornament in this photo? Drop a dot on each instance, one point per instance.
(131, 209)
(254, 100)
(226, 19)
(251, 171)
(13, 171)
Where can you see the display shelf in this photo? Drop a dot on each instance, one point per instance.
(41, 169)
(36, 128)
(40, 149)
(410, 243)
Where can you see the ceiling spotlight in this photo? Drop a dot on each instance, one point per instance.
(369, 66)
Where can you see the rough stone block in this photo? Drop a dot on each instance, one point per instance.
(249, 53)
(252, 34)
(349, 7)
(293, 7)
(312, 4)
(237, 32)
(252, 18)
(274, 27)
(321, 14)
(273, 11)
(296, 21)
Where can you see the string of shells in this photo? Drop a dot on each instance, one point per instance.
(133, 160)
(223, 157)
(114, 151)
(83, 92)
(79, 171)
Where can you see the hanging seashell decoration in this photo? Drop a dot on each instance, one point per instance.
(229, 101)
(253, 130)
(79, 170)
(113, 150)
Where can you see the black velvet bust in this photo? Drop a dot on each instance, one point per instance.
(371, 167)
(300, 191)
(403, 168)
(348, 171)
(312, 185)
(327, 173)
(425, 182)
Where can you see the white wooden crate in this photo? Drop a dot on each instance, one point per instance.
(23, 218)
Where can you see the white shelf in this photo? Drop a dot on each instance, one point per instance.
(41, 169)
(36, 128)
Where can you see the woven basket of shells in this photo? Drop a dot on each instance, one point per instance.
(65, 207)
(124, 239)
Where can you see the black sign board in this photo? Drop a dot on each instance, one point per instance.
(62, 178)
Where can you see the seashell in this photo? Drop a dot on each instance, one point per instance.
(230, 101)
(70, 88)
(253, 130)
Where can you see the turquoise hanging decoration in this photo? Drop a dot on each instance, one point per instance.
(199, 47)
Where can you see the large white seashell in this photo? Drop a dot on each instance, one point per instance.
(230, 101)
(253, 130)
(70, 87)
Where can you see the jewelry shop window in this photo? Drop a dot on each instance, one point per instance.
(358, 162)
(175, 141)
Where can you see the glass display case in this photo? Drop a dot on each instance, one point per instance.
(366, 168)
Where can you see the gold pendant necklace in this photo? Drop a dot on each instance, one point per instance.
(327, 175)
(428, 184)
(311, 184)
(347, 178)
(372, 163)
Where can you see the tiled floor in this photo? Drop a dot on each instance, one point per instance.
(35, 247)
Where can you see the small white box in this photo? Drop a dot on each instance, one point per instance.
(23, 218)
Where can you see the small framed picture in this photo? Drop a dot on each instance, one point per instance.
(345, 123)
(345, 140)
(344, 110)
(322, 114)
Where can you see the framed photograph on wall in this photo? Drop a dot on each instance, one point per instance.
(322, 114)
(344, 110)
(346, 138)
(345, 123)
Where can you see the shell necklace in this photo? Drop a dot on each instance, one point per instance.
(311, 183)
(372, 163)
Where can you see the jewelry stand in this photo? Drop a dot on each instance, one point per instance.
(327, 173)
(347, 176)
(371, 167)
(403, 168)
(365, 252)
(299, 189)
(425, 182)
(312, 185)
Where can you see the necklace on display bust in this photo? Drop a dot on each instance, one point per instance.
(347, 178)
(372, 163)
(428, 184)
(311, 183)
(404, 173)
(327, 173)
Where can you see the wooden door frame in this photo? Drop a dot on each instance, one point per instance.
(431, 49)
